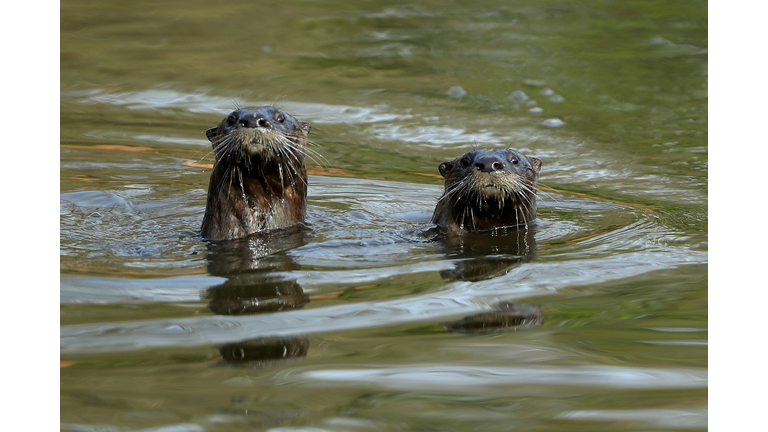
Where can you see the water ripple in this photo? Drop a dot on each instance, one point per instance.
(663, 418)
(467, 378)
(454, 299)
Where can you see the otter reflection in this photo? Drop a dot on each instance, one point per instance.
(262, 352)
(488, 255)
(257, 270)
(483, 256)
(508, 317)
(257, 294)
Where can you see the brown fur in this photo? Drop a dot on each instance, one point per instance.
(259, 177)
(487, 190)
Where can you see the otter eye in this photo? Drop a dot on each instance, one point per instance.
(514, 160)
(465, 162)
(280, 118)
(242, 123)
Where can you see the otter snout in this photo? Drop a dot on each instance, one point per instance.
(489, 163)
(253, 120)
(271, 119)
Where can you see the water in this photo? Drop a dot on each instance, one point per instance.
(359, 321)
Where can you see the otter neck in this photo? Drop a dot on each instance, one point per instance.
(486, 215)
(244, 200)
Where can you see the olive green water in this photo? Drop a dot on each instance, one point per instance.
(343, 323)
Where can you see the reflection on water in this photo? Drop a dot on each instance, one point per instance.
(255, 295)
(254, 286)
(485, 256)
(255, 269)
(508, 317)
(264, 351)
(367, 318)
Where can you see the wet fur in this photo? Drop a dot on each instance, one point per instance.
(477, 201)
(259, 176)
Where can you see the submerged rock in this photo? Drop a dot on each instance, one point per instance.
(518, 96)
(553, 122)
(457, 92)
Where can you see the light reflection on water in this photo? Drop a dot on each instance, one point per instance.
(472, 379)
(157, 100)
(585, 164)
(673, 419)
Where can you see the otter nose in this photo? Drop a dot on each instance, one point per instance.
(489, 163)
(254, 120)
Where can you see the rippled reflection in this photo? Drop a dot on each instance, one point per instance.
(256, 269)
(261, 352)
(507, 317)
(487, 255)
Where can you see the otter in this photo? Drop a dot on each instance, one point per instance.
(486, 190)
(259, 177)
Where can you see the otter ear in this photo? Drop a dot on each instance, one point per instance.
(535, 163)
(211, 133)
(305, 126)
(445, 168)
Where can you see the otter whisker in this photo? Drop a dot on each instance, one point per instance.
(525, 221)
(294, 152)
(314, 155)
(548, 195)
(452, 190)
(231, 172)
(289, 150)
(205, 156)
(292, 158)
(293, 169)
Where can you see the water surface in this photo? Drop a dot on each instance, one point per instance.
(344, 324)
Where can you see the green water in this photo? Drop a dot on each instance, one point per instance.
(357, 302)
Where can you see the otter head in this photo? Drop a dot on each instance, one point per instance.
(259, 176)
(488, 189)
(258, 136)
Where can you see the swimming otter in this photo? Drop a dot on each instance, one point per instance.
(487, 190)
(259, 178)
